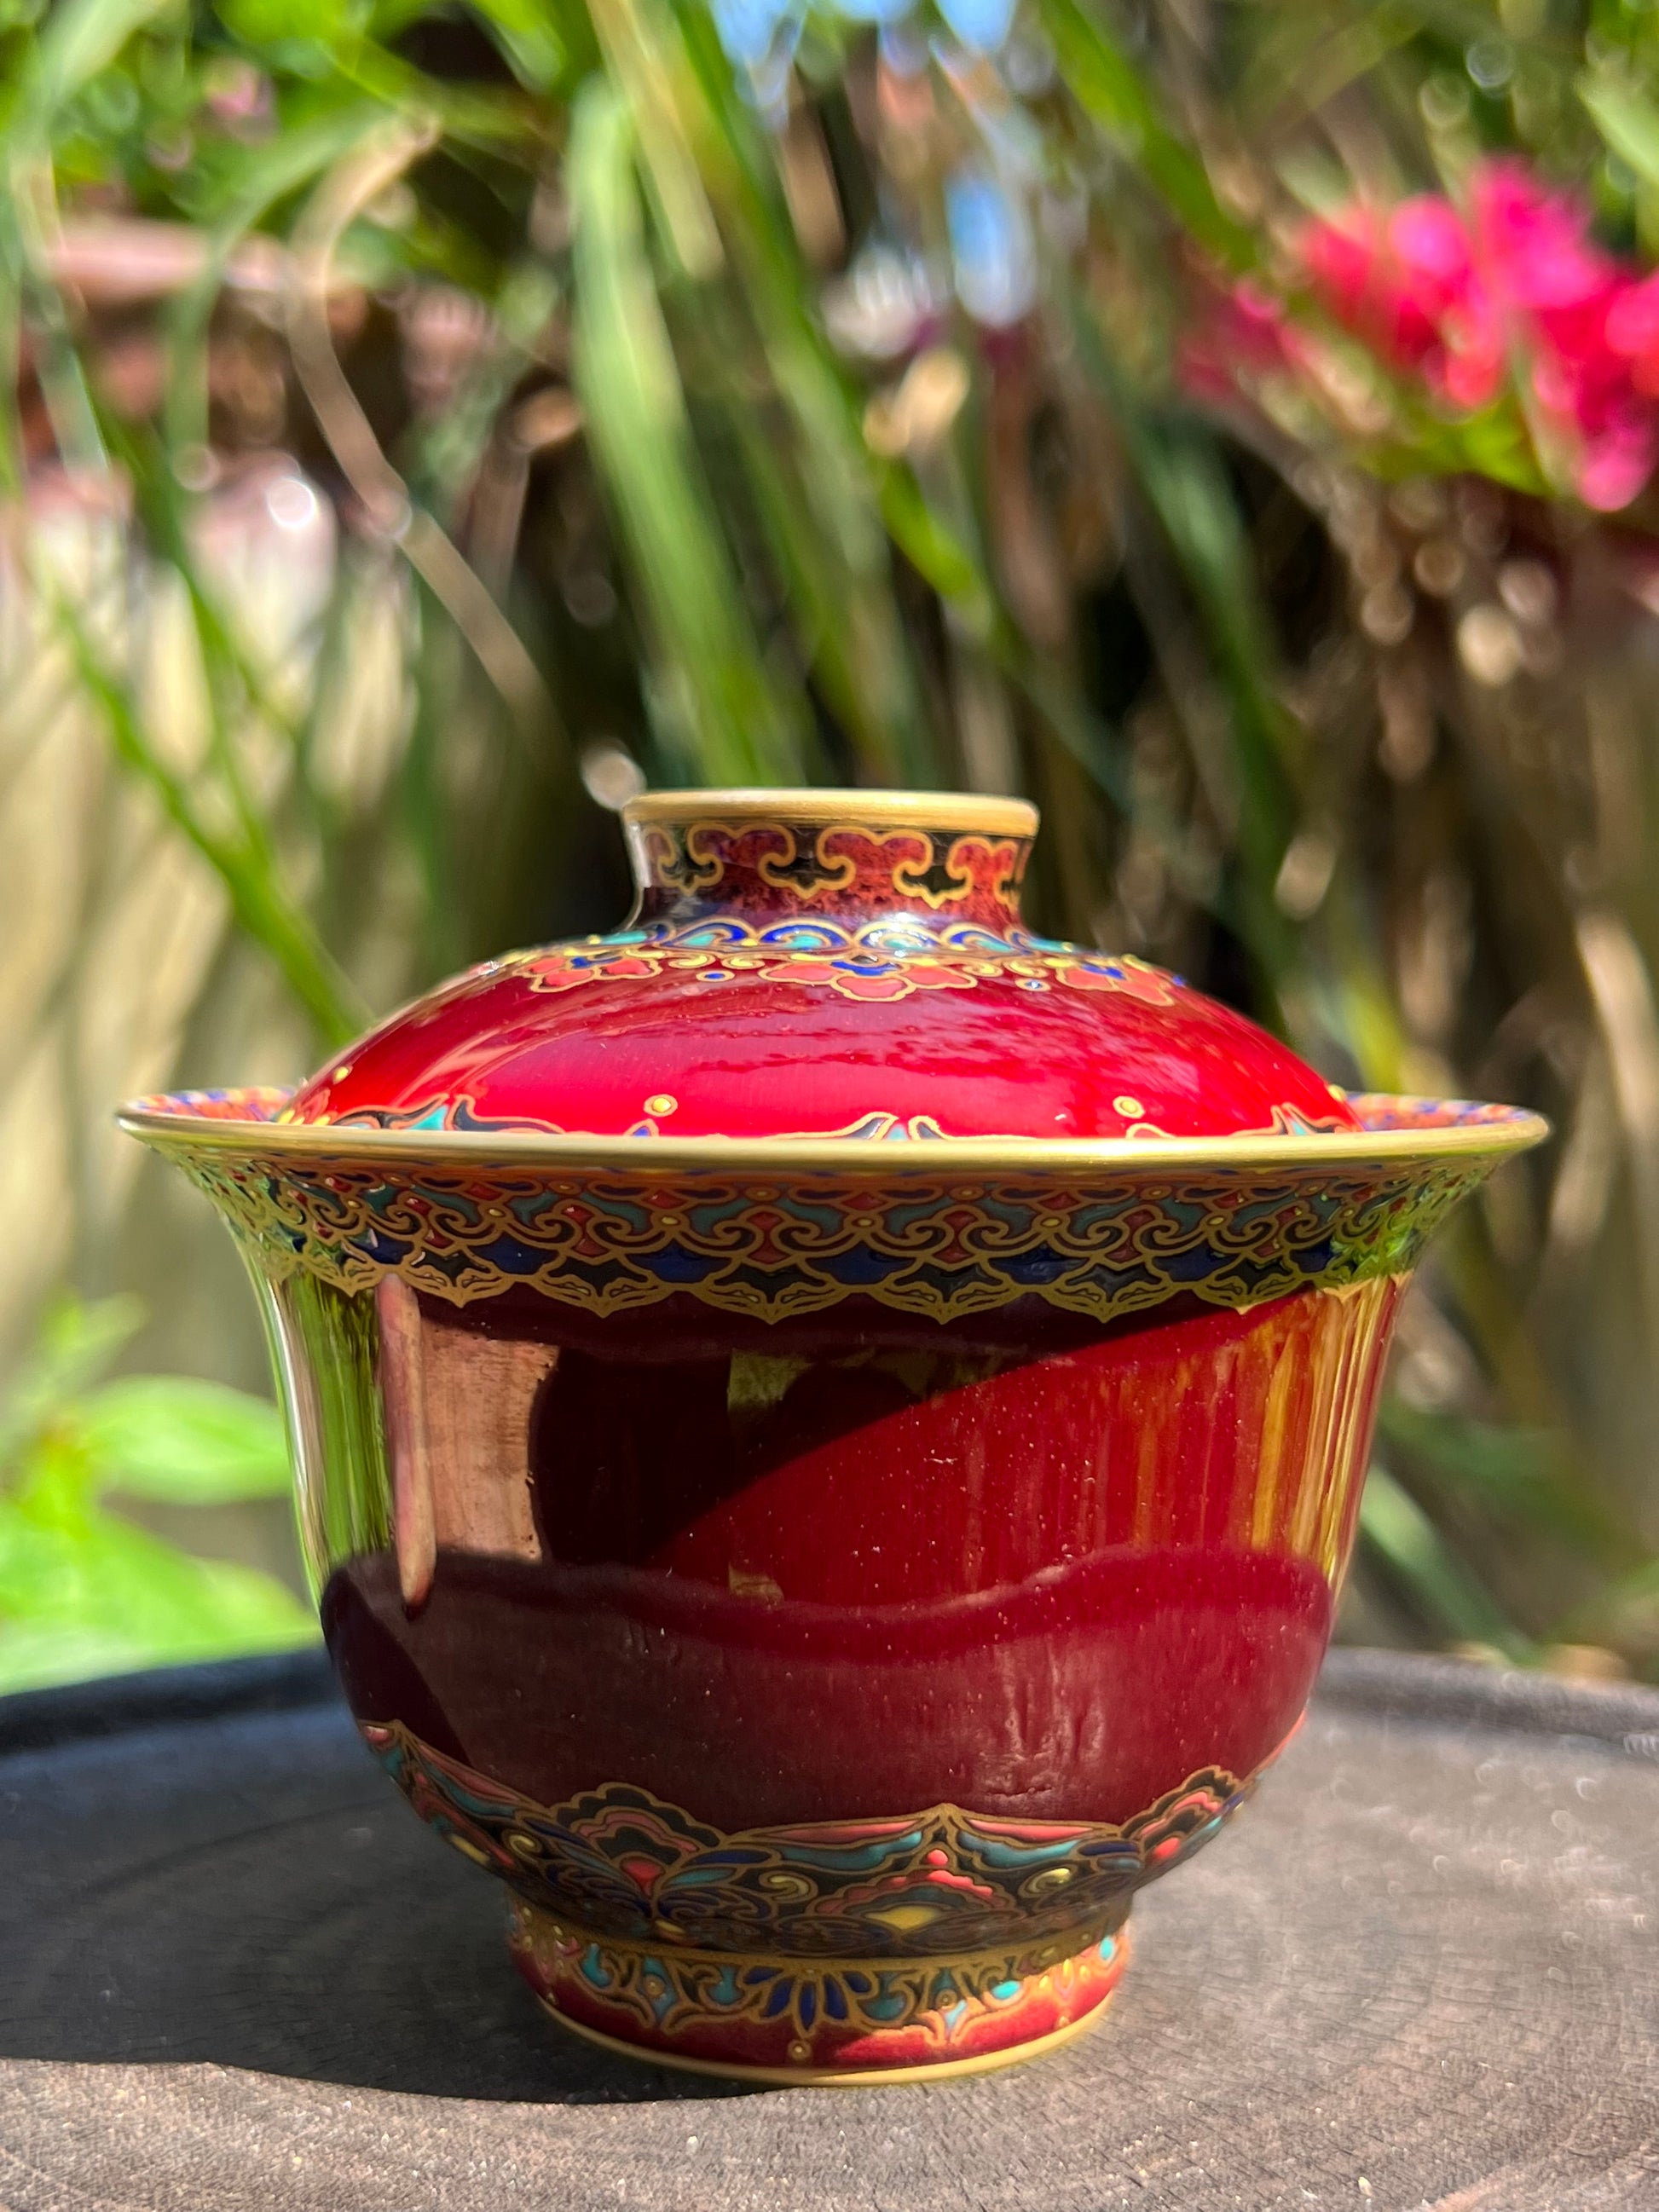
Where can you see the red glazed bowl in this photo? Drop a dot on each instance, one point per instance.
(827, 1428)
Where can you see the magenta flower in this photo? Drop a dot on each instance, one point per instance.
(1508, 291)
(1557, 294)
(1405, 281)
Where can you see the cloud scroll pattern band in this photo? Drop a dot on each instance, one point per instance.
(941, 1246)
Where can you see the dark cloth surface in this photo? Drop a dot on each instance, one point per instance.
(1422, 1970)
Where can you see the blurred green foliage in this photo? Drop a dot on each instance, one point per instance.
(780, 393)
(83, 1589)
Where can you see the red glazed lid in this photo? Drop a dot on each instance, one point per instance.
(822, 963)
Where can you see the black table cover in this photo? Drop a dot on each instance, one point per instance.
(1422, 1970)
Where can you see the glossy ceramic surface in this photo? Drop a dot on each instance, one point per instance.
(824, 1578)
(792, 969)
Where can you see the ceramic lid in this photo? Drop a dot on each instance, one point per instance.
(823, 964)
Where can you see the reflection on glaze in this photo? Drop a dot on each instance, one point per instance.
(845, 1575)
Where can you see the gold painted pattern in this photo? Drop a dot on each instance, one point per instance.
(879, 960)
(664, 1988)
(625, 1866)
(942, 1245)
(782, 1227)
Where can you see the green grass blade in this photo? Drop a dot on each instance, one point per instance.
(260, 902)
(1449, 1593)
(732, 722)
(268, 175)
(1112, 92)
(78, 39)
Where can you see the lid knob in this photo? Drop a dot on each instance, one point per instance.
(840, 853)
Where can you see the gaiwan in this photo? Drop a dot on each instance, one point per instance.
(827, 1428)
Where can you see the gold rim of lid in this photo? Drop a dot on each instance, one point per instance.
(168, 1120)
(965, 810)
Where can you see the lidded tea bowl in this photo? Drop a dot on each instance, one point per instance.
(827, 1427)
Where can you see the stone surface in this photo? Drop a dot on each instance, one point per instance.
(1423, 1970)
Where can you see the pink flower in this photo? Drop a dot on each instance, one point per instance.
(1509, 290)
(1406, 282)
(1243, 333)
(1561, 297)
(1633, 331)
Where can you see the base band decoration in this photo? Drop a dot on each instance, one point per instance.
(945, 1883)
(782, 2019)
(835, 1951)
